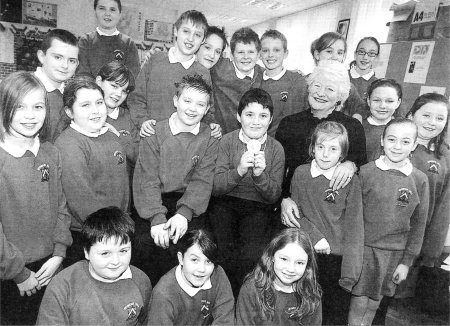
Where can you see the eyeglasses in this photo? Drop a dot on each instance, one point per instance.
(363, 53)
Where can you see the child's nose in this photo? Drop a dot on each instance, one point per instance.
(29, 113)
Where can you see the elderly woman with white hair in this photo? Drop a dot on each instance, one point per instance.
(328, 87)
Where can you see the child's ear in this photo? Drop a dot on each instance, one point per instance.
(399, 102)
(271, 118)
(286, 52)
(368, 101)
(180, 258)
(316, 55)
(86, 254)
(68, 112)
(238, 117)
(381, 140)
(98, 80)
(415, 145)
(175, 101)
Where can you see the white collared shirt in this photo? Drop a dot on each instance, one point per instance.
(276, 77)
(125, 276)
(76, 127)
(190, 290)
(17, 151)
(316, 170)
(372, 122)
(243, 137)
(172, 59)
(116, 32)
(40, 74)
(175, 130)
(240, 75)
(278, 288)
(114, 114)
(406, 170)
(355, 74)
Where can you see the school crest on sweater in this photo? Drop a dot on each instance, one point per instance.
(284, 96)
(120, 158)
(132, 310)
(119, 55)
(403, 196)
(205, 310)
(434, 167)
(331, 195)
(45, 171)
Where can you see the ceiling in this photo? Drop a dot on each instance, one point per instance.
(234, 14)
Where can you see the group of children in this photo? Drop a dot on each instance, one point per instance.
(204, 199)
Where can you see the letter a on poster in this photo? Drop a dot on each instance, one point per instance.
(419, 62)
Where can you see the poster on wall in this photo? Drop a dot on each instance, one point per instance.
(38, 13)
(425, 11)
(156, 31)
(130, 23)
(11, 11)
(419, 62)
(383, 60)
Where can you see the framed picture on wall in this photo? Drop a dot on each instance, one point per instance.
(342, 27)
(38, 13)
(156, 31)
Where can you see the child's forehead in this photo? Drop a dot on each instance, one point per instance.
(401, 130)
(190, 24)
(192, 91)
(255, 107)
(111, 242)
(269, 40)
(247, 45)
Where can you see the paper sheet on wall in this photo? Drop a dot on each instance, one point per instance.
(7, 46)
(383, 60)
(425, 11)
(419, 62)
(432, 89)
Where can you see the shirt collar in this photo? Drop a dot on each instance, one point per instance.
(355, 74)
(406, 170)
(125, 276)
(173, 59)
(317, 171)
(114, 114)
(175, 130)
(17, 151)
(116, 32)
(104, 130)
(190, 290)
(243, 138)
(278, 288)
(276, 77)
(39, 73)
(240, 75)
(372, 122)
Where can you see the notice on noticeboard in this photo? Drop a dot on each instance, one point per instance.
(425, 11)
(419, 62)
(383, 60)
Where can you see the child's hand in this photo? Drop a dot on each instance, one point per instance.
(147, 128)
(29, 286)
(322, 247)
(148, 54)
(160, 235)
(216, 130)
(342, 175)
(45, 274)
(177, 227)
(400, 274)
(290, 213)
(247, 160)
(260, 163)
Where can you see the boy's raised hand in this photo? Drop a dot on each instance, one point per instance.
(147, 128)
(177, 226)
(400, 274)
(322, 247)
(216, 130)
(247, 161)
(160, 235)
(259, 164)
(29, 286)
(46, 272)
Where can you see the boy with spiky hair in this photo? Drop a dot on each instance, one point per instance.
(58, 55)
(286, 88)
(152, 98)
(175, 170)
(104, 289)
(231, 79)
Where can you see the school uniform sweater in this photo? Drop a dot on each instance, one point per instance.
(395, 208)
(94, 174)
(228, 90)
(97, 50)
(373, 140)
(74, 297)
(336, 216)
(438, 173)
(171, 305)
(33, 211)
(361, 84)
(265, 188)
(155, 88)
(287, 95)
(295, 131)
(174, 163)
(248, 309)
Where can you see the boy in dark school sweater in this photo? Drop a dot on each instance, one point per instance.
(104, 289)
(152, 99)
(286, 88)
(247, 182)
(58, 55)
(175, 170)
(231, 79)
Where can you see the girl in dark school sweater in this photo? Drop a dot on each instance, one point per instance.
(33, 213)
(197, 291)
(384, 97)
(395, 207)
(94, 162)
(282, 289)
(333, 219)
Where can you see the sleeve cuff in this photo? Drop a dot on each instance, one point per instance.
(235, 176)
(22, 276)
(185, 211)
(407, 259)
(347, 283)
(158, 219)
(60, 250)
(260, 178)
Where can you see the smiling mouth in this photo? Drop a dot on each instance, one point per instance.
(29, 125)
(320, 100)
